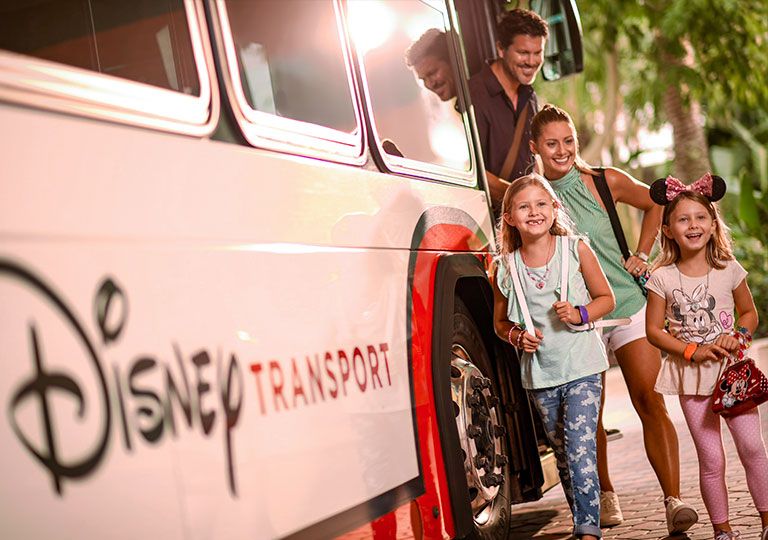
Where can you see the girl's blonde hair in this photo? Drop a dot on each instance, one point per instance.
(719, 248)
(509, 237)
(548, 115)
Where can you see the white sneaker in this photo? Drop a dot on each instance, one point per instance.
(680, 516)
(727, 535)
(765, 534)
(610, 511)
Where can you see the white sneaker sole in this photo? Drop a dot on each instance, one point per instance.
(611, 522)
(683, 520)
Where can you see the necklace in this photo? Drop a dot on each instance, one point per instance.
(536, 279)
(695, 302)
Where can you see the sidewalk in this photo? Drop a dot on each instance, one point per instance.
(636, 484)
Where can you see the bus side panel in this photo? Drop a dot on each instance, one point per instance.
(178, 314)
(263, 403)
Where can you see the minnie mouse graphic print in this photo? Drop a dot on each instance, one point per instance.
(698, 323)
(699, 309)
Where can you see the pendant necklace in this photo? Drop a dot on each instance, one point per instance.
(537, 280)
(695, 305)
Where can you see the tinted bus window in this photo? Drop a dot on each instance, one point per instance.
(412, 80)
(291, 60)
(147, 41)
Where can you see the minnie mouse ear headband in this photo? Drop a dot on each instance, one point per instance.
(664, 190)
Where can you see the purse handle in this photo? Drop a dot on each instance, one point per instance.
(745, 340)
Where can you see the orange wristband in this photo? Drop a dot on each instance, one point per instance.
(689, 350)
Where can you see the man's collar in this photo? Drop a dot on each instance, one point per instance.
(493, 85)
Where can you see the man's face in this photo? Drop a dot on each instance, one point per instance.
(523, 58)
(436, 76)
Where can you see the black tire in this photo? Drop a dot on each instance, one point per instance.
(481, 427)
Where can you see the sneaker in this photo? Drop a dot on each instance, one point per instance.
(765, 534)
(727, 535)
(612, 434)
(610, 511)
(680, 516)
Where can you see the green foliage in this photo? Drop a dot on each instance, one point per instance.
(740, 156)
(751, 254)
(715, 52)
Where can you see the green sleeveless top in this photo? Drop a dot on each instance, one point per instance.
(592, 221)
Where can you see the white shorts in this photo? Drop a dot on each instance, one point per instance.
(618, 336)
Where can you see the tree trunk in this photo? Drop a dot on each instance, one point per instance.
(690, 144)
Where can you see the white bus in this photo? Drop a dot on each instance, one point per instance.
(243, 285)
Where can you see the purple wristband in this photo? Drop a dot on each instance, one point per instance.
(584, 314)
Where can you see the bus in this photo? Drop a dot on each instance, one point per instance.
(243, 274)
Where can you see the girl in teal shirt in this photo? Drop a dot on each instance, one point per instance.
(561, 368)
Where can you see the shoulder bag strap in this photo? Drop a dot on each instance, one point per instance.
(605, 194)
(511, 159)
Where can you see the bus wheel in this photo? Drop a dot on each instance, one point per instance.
(480, 424)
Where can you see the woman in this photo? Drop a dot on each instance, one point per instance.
(555, 143)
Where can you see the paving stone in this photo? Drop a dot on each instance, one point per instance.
(640, 495)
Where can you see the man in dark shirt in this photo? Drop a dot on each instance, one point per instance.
(502, 90)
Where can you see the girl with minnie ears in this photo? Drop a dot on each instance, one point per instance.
(695, 284)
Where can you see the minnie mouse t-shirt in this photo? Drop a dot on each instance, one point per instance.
(699, 310)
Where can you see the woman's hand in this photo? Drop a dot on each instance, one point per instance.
(567, 313)
(635, 266)
(530, 343)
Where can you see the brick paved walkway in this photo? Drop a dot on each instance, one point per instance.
(637, 487)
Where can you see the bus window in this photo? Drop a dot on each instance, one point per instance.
(291, 61)
(142, 40)
(413, 82)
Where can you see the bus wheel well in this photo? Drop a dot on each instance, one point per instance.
(477, 296)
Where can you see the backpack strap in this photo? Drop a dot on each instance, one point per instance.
(565, 245)
(519, 294)
(566, 257)
(564, 269)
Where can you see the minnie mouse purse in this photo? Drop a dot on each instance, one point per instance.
(741, 385)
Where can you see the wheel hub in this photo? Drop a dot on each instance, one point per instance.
(479, 432)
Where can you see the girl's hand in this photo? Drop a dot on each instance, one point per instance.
(635, 266)
(728, 342)
(530, 343)
(713, 352)
(567, 313)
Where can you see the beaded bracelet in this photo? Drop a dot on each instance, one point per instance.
(584, 314)
(689, 351)
(745, 339)
(746, 334)
(518, 341)
(514, 327)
